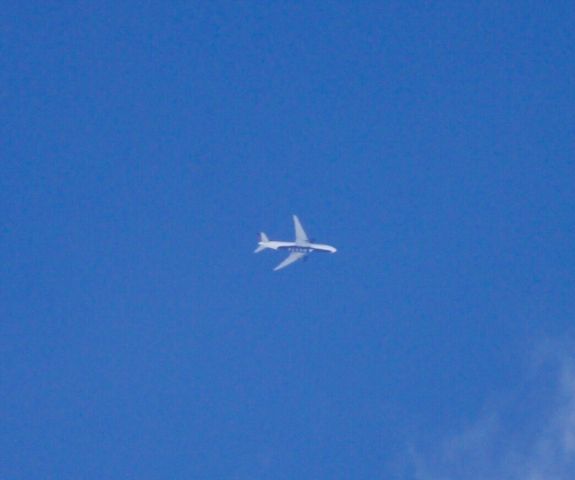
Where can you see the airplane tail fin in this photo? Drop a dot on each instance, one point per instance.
(263, 238)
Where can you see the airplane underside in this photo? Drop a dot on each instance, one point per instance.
(299, 249)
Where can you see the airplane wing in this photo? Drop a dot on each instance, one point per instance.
(300, 235)
(292, 257)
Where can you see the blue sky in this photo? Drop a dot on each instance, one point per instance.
(145, 146)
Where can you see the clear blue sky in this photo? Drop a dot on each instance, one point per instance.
(145, 144)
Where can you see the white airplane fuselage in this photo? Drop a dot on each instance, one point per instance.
(298, 247)
(298, 250)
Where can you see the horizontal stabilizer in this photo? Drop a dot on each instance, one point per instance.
(263, 239)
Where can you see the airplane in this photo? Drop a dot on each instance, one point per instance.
(299, 249)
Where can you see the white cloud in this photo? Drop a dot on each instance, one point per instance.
(514, 441)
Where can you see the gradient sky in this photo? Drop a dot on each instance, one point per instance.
(144, 146)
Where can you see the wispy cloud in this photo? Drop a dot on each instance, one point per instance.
(525, 439)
